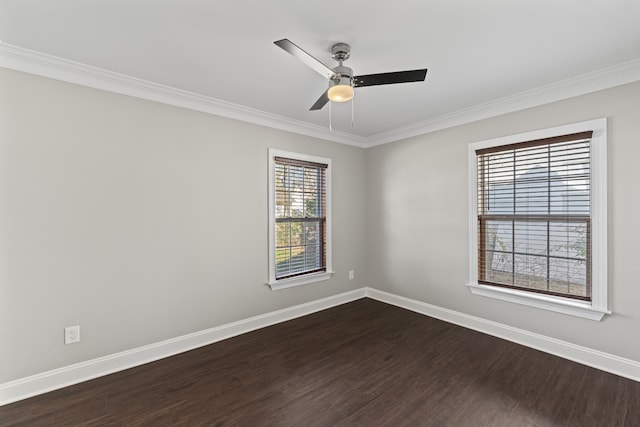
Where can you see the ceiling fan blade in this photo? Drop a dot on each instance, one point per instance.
(390, 78)
(303, 56)
(324, 98)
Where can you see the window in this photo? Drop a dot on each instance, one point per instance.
(538, 219)
(299, 219)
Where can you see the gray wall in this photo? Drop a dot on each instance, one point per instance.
(418, 220)
(141, 222)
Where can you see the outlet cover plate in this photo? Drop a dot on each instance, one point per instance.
(71, 334)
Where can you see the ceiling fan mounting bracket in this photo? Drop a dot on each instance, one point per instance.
(340, 52)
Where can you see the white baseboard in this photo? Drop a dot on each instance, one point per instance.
(597, 359)
(58, 378)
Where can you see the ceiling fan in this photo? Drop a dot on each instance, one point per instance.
(341, 78)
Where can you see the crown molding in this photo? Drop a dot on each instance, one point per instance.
(42, 64)
(616, 75)
(38, 63)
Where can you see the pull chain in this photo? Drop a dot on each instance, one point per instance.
(352, 101)
(330, 115)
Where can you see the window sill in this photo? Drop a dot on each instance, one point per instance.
(299, 281)
(545, 302)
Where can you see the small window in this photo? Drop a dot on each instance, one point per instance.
(299, 219)
(538, 207)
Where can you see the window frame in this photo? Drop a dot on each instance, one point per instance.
(597, 307)
(304, 278)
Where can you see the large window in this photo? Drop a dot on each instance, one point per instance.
(299, 219)
(538, 218)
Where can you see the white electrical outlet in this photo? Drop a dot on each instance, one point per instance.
(72, 334)
(351, 276)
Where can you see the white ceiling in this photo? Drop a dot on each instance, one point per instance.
(479, 53)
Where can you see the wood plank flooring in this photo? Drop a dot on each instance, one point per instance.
(364, 363)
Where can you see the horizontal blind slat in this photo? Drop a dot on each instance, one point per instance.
(538, 142)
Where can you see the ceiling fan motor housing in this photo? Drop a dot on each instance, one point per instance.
(344, 76)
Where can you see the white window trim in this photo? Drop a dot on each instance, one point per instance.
(597, 308)
(306, 278)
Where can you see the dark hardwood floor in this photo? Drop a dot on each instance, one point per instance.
(360, 364)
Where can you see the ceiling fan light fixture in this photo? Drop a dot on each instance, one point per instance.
(341, 87)
(340, 93)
